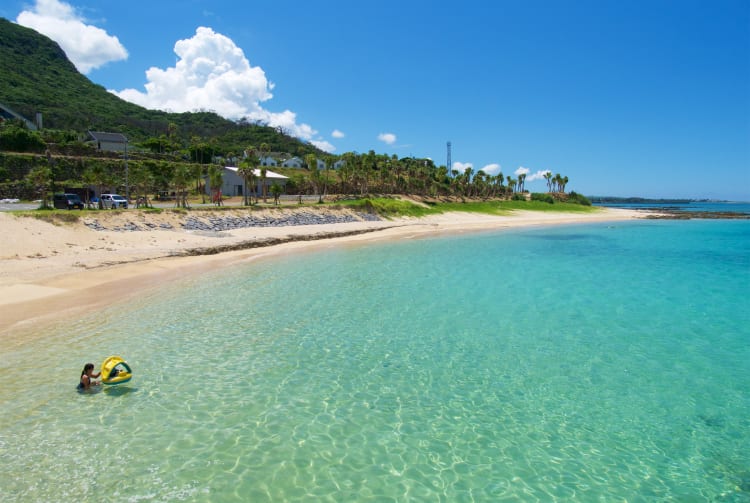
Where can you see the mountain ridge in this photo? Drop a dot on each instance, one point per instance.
(36, 76)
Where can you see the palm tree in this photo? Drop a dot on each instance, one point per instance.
(41, 178)
(263, 170)
(142, 181)
(548, 178)
(455, 182)
(468, 178)
(197, 172)
(328, 163)
(312, 166)
(196, 146)
(246, 170)
(521, 181)
(400, 168)
(511, 184)
(263, 177)
(558, 182)
(97, 174)
(276, 192)
(181, 180)
(215, 179)
(347, 172)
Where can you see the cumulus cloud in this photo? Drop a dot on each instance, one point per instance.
(538, 175)
(337, 134)
(212, 73)
(323, 145)
(492, 169)
(87, 46)
(388, 138)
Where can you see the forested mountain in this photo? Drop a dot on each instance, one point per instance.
(36, 76)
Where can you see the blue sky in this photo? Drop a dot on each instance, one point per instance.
(626, 98)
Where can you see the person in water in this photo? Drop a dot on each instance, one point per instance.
(87, 377)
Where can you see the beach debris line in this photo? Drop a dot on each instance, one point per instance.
(261, 243)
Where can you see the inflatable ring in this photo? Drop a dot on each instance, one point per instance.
(115, 370)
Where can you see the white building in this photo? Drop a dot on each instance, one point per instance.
(267, 161)
(294, 162)
(113, 142)
(233, 184)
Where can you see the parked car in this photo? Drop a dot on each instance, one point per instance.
(67, 201)
(113, 201)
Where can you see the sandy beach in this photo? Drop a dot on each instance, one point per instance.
(52, 271)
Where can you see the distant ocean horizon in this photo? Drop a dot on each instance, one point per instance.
(598, 362)
(713, 206)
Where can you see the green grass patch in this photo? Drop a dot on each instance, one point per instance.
(387, 207)
(391, 208)
(546, 207)
(55, 217)
(483, 207)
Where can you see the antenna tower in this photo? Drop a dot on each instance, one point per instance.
(448, 163)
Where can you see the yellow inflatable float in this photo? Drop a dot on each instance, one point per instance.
(115, 370)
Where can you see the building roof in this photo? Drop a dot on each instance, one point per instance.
(108, 137)
(256, 172)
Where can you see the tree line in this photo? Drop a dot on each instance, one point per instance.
(186, 168)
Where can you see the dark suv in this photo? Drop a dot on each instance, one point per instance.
(67, 201)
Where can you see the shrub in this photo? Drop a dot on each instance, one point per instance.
(539, 196)
(18, 139)
(578, 199)
(518, 197)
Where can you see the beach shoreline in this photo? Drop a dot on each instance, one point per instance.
(50, 273)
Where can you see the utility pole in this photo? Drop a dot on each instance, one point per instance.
(127, 187)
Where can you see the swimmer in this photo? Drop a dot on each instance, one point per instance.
(87, 377)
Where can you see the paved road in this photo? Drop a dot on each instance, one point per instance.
(285, 201)
(18, 206)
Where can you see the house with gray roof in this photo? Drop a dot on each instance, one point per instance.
(111, 142)
(232, 184)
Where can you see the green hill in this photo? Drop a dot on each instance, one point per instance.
(36, 76)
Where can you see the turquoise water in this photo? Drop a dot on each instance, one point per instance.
(576, 363)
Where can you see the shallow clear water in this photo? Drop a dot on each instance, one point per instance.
(599, 362)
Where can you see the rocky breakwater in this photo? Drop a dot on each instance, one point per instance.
(220, 223)
(217, 224)
(681, 214)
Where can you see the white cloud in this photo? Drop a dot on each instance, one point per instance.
(539, 175)
(492, 169)
(337, 134)
(212, 73)
(323, 145)
(86, 46)
(388, 138)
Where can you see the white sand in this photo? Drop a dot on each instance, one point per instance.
(48, 271)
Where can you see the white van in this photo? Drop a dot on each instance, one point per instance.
(113, 201)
